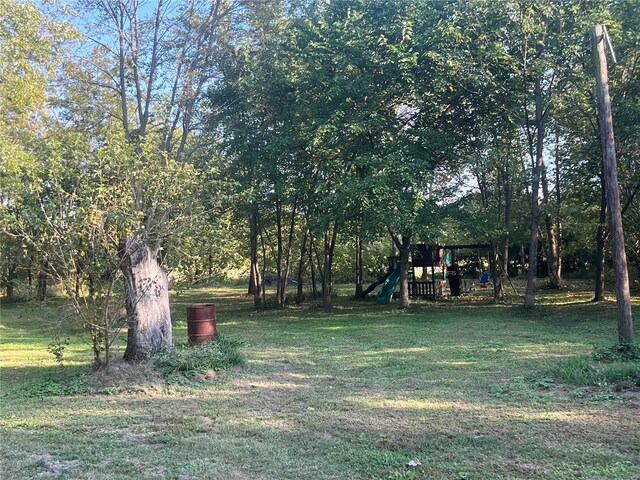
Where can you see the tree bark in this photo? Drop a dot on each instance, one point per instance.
(264, 269)
(9, 284)
(494, 265)
(146, 289)
(532, 280)
(553, 257)
(312, 268)
(508, 201)
(327, 280)
(404, 248)
(623, 295)
(287, 256)
(255, 280)
(283, 252)
(77, 283)
(403, 244)
(280, 294)
(303, 254)
(601, 240)
(42, 282)
(359, 267)
(558, 225)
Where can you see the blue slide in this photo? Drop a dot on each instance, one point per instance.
(385, 294)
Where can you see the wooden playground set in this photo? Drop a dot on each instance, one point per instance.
(439, 265)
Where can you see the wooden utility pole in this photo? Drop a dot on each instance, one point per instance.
(610, 173)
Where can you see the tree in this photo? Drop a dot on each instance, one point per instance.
(157, 66)
(30, 49)
(598, 36)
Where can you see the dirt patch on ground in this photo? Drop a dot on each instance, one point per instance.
(119, 376)
(52, 467)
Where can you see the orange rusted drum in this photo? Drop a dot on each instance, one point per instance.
(201, 323)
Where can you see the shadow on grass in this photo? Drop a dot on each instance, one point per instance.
(294, 423)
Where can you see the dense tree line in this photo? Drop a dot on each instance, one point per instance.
(297, 140)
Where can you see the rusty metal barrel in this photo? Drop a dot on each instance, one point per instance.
(201, 323)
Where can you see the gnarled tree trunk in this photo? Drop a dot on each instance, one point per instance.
(146, 289)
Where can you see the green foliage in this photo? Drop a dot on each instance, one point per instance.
(351, 114)
(617, 353)
(56, 348)
(582, 371)
(56, 385)
(219, 354)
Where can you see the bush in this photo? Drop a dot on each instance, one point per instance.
(219, 354)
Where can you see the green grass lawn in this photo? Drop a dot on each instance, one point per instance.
(357, 393)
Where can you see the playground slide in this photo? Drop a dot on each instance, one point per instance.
(386, 292)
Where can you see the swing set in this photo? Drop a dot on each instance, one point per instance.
(445, 258)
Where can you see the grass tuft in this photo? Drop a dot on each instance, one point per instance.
(219, 354)
(615, 353)
(610, 365)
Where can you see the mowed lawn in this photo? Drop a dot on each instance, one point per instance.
(358, 393)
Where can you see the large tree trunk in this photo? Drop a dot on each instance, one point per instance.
(532, 274)
(146, 289)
